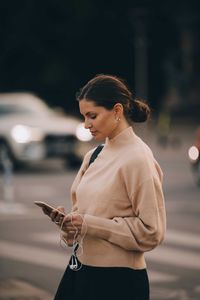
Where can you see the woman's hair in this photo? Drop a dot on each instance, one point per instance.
(107, 90)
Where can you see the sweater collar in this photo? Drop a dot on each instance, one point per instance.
(121, 138)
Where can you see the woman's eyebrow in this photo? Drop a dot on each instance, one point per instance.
(90, 112)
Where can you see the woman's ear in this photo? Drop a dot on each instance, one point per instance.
(118, 110)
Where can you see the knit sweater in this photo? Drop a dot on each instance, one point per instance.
(121, 199)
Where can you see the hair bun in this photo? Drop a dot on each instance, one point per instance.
(140, 111)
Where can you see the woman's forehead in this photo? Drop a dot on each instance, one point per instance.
(88, 106)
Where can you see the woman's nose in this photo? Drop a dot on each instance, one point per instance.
(87, 125)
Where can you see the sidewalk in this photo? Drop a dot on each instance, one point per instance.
(174, 145)
(15, 289)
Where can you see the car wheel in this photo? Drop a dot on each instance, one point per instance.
(6, 161)
(198, 174)
(72, 161)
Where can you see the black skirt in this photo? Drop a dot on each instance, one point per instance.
(103, 283)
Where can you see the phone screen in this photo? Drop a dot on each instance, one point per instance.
(48, 208)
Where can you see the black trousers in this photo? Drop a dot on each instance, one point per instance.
(103, 283)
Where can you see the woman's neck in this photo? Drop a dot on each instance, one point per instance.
(123, 124)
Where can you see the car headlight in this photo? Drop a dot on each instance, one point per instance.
(193, 153)
(83, 134)
(24, 134)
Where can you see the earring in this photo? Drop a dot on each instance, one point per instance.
(118, 119)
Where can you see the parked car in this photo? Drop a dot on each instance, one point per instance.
(194, 156)
(32, 131)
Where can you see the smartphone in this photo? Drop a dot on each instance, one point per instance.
(48, 208)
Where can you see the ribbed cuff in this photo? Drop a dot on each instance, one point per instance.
(96, 226)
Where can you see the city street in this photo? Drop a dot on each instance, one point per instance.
(30, 249)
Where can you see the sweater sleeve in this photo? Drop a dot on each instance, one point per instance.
(78, 177)
(141, 232)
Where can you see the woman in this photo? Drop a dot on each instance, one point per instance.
(118, 210)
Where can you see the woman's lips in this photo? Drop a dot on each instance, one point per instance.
(93, 132)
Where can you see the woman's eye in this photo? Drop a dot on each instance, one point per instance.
(93, 116)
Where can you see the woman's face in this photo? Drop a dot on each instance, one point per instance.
(100, 121)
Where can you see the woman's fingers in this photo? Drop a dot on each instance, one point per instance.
(72, 233)
(57, 215)
(60, 216)
(61, 209)
(53, 214)
(71, 229)
(73, 223)
(69, 237)
(45, 211)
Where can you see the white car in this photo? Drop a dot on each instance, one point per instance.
(32, 131)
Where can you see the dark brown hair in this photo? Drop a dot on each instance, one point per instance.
(107, 90)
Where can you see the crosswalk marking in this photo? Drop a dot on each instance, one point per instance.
(163, 254)
(49, 237)
(27, 213)
(55, 259)
(172, 256)
(35, 255)
(155, 276)
(58, 259)
(183, 238)
(173, 237)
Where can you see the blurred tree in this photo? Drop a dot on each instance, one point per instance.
(53, 47)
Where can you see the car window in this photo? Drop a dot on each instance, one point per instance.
(6, 110)
(12, 109)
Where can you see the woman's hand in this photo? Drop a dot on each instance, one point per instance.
(57, 215)
(72, 225)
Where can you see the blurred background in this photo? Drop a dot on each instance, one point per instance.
(48, 50)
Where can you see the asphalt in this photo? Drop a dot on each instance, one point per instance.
(15, 289)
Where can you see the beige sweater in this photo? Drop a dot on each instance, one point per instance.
(120, 196)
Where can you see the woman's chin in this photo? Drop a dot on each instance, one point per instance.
(98, 137)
